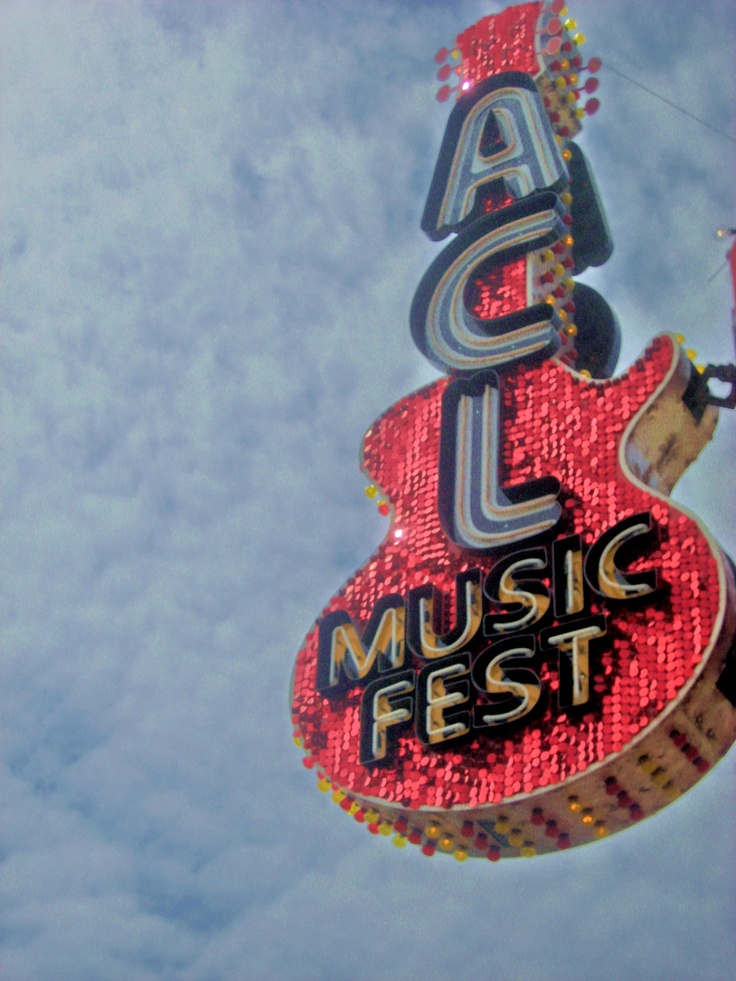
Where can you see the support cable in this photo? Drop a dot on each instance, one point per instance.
(669, 103)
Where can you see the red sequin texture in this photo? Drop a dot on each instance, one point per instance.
(495, 196)
(557, 424)
(503, 42)
(498, 291)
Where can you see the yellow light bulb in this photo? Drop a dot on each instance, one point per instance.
(601, 830)
(579, 39)
(659, 779)
(501, 826)
(574, 805)
(579, 113)
(567, 154)
(432, 830)
(516, 838)
(460, 854)
(571, 330)
(566, 198)
(528, 851)
(548, 255)
(446, 843)
(399, 841)
(568, 240)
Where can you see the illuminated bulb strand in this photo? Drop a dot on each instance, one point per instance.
(565, 74)
(565, 43)
(431, 838)
(515, 837)
(445, 73)
(557, 275)
(690, 352)
(691, 752)
(556, 266)
(371, 492)
(623, 799)
(659, 777)
(555, 7)
(551, 42)
(551, 828)
(526, 847)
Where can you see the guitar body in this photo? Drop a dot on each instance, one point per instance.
(541, 652)
(655, 706)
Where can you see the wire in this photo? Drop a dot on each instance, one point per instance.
(718, 270)
(669, 103)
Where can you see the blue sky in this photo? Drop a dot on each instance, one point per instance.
(209, 245)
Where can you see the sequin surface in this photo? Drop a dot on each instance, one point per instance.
(555, 423)
(501, 42)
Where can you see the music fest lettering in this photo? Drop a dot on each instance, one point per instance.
(541, 652)
(485, 646)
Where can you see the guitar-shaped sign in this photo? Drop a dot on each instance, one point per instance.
(541, 652)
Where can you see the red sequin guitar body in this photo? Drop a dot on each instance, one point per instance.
(541, 652)
(660, 707)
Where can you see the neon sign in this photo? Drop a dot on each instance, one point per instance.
(541, 652)
(502, 627)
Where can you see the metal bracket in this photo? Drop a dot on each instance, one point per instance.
(724, 373)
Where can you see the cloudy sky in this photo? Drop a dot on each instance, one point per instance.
(210, 242)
